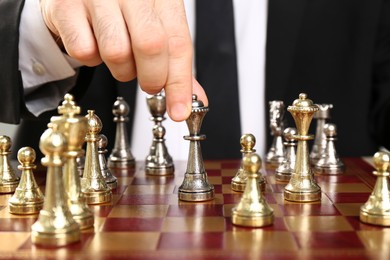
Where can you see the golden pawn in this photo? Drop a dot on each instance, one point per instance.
(252, 210)
(93, 184)
(302, 186)
(376, 210)
(28, 197)
(55, 225)
(8, 179)
(247, 142)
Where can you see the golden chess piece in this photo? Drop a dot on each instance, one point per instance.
(55, 225)
(376, 210)
(302, 186)
(28, 197)
(252, 210)
(111, 180)
(8, 179)
(93, 184)
(247, 142)
(74, 127)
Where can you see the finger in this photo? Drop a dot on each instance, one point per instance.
(178, 88)
(112, 38)
(198, 90)
(149, 44)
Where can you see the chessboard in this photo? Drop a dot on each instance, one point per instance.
(146, 220)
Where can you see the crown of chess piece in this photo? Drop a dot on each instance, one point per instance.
(376, 210)
(8, 178)
(247, 142)
(93, 184)
(319, 145)
(74, 127)
(111, 180)
(302, 186)
(55, 225)
(28, 197)
(276, 152)
(252, 210)
(121, 156)
(195, 186)
(286, 168)
(158, 161)
(329, 163)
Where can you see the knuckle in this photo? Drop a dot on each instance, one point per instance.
(150, 44)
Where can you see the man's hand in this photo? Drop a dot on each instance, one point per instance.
(147, 39)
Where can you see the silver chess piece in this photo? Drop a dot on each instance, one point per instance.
(319, 145)
(111, 180)
(121, 156)
(8, 178)
(329, 163)
(286, 168)
(158, 162)
(195, 186)
(276, 152)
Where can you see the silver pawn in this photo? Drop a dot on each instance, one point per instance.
(319, 145)
(121, 156)
(329, 163)
(111, 180)
(158, 162)
(286, 168)
(276, 152)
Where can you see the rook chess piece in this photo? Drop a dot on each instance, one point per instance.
(8, 179)
(121, 156)
(252, 210)
(195, 186)
(55, 225)
(93, 184)
(329, 163)
(111, 180)
(319, 145)
(286, 168)
(158, 162)
(376, 210)
(276, 152)
(302, 186)
(247, 142)
(28, 197)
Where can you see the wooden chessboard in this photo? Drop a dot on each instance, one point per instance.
(146, 220)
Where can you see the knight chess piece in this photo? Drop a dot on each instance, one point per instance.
(302, 187)
(121, 156)
(28, 197)
(329, 163)
(93, 184)
(55, 225)
(276, 152)
(158, 162)
(74, 127)
(111, 180)
(252, 210)
(376, 210)
(286, 168)
(247, 142)
(195, 186)
(8, 178)
(319, 145)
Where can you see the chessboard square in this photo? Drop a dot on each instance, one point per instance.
(359, 225)
(215, 180)
(11, 241)
(189, 240)
(322, 179)
(132, 224)
(233, 164)
(195, 210)
(227, 189)
(344, 187)
(139, 211)
(348, 209)
(226, 180)
(213, 172)
(149, 189)
(317, 223)
(307, 209)
(148, 199)
(328, 240)
(16, 224)
(100, 210)
(124, 181)
(348, 197)
(153, 180)
(111, 241)
(194, 224)
(212, 165)
(233, 198)
(229, 173)
(377, 241)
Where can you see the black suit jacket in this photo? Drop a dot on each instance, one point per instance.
(336, 51)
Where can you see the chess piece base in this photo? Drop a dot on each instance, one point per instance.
(8, 187)
(56, 239)
(112, 185)
(380, 220)
(159, 171)
(282, 177)
(121, 163)
(85, 222)
(336, 170)
(302, 196)
(28, 209)
(98, 197)
(240, 186)
(196, 196)
(252, 221)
